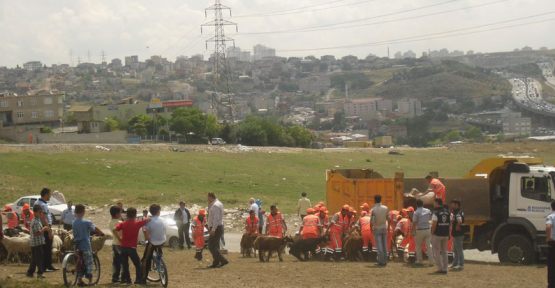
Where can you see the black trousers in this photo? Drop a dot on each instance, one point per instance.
(37, 254)
(146, 262)
(68, 227)
(127, 253)
(551, 265)
(47, 253)
(214, 246)
(116, 263)
(183, 229)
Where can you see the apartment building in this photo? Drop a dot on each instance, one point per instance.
(40, 108)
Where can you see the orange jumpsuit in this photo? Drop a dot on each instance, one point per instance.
(197, 228)
(439, 189)
(251, 225)
(336, 233)
(27, 219)
(392, 221)
(366, 231)
(405, 226)
(275, 225)
(13, 221)
(311, 227)
(325, 222)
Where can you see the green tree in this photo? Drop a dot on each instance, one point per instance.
(111, 124)
(453, 135)
(474, 133)
(302, 136)
(195, 124)
(139, 124)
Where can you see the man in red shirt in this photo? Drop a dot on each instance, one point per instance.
(129, 233)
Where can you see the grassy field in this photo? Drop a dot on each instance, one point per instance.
(136, 177)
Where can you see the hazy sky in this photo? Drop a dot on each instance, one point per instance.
(47, 30)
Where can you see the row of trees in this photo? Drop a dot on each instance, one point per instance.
(194, 126)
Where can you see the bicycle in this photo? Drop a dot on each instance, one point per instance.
(74, 266)
(158, 266)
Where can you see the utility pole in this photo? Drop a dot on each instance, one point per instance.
(220, 70)
(102, 57)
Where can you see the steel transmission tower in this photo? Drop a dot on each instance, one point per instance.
(220, 69)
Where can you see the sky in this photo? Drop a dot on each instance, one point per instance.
(63, 31)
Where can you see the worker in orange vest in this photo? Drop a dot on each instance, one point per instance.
(197, 227)
(251, 224)
(394, 216)
(322, 213)
(28, 216)
(365, 207)
(337, 226)
(311, 227)
(365, 226)
(13, 221)
(275, 224)
(404, 228)
(436, 186)
(348, 221)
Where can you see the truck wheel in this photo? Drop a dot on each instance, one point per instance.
(516, 249)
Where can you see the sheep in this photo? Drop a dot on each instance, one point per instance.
(302, 247)
(352, 246)
(57, 245)
(270, 244)
(16, 245)
(97, 243)
(247, 242)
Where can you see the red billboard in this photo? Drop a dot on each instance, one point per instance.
(178, 103)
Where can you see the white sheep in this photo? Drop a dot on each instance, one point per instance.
(16, 245)
(57, 246)
(97, 243)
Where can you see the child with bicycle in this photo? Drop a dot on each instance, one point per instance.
(129, 233)
(82, 231)
(155, 234)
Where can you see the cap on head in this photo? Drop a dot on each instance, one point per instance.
(346, 207)
(410, 209)
(25, 207)
(202, 212)
(251, 211)
(310, 211)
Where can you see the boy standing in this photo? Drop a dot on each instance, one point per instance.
(129, 233)
(37, 244)
(82, 230)
(198, 232)
(115, 212)
(155, 234)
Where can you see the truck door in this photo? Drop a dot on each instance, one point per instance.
(532, 195)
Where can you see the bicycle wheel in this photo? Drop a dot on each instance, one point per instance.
(152, 274)
(69, 271)
(163, 273)
(96, 270)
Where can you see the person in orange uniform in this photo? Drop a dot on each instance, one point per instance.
(322, 214)
(365, 226)
(28, 216)
(197, 227)
(394, 217)
(311, 227)
(337, 225)
(251, 224)
(436, 186)
(404, 228)
(275, 224)
(365, 207)
(13, 221)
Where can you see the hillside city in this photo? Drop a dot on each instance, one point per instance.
(435, 98)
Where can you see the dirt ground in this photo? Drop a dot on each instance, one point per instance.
(184, 271)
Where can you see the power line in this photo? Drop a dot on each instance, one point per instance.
(376, 22)
(433, 35)
(291, 11)
(361, 19)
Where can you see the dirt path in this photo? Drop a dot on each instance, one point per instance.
(184, 271)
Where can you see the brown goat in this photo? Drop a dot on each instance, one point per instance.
(247, 245)
(352, 246)
(270, 244)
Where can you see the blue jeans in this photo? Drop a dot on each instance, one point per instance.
(458, 259)
(380, 235)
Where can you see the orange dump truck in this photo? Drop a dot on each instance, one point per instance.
(505, 200)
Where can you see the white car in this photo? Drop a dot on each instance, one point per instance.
(172, 236)
(54, 206)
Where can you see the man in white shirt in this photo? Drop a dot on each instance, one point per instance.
(302, 205)
(155, 234)
(215, 225)
(379, 228)
(253, 206)
(68, 217)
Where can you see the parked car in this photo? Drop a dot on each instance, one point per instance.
(56, 207)
(172, 236)
(217, 141)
